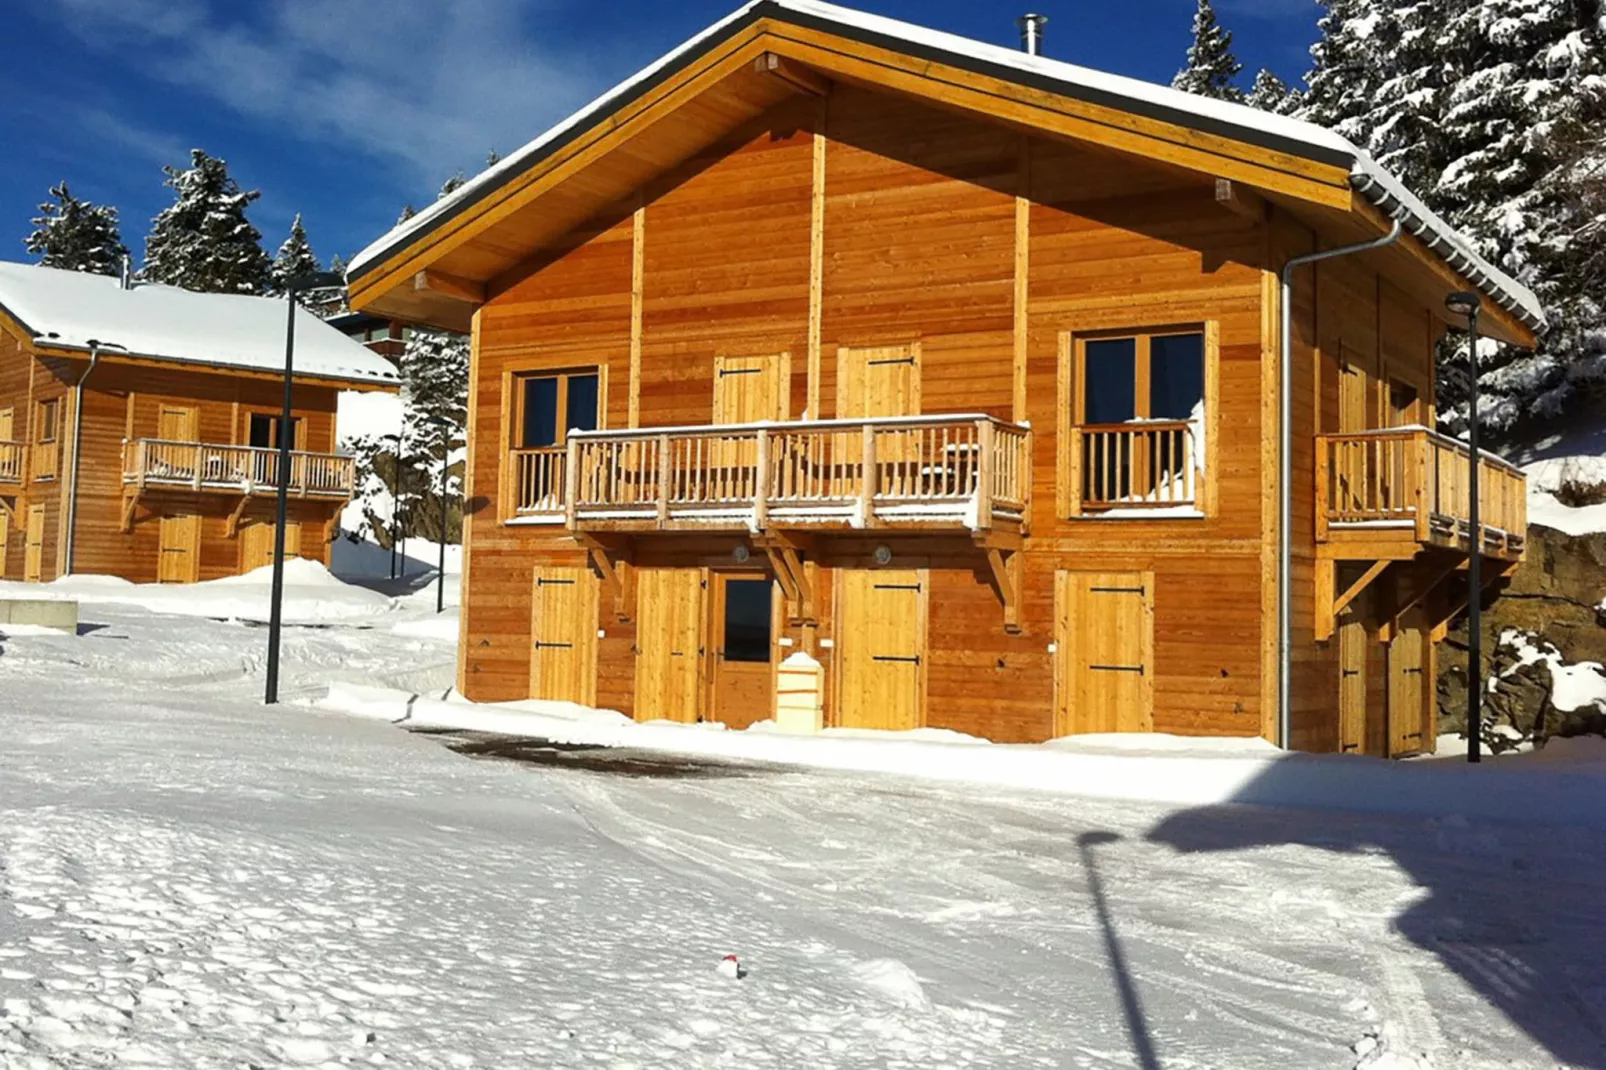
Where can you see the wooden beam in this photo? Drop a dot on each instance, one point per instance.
(449, 286)
(816, 264)
(1353, 591)
(799, 77)
(638, 271)
(1390, 626)
(616, 569)
(1241, 200)
(1006, 581)
(233, 528)
(126, 522)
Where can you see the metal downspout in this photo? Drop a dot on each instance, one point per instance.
(1285, 475)
(77, 446)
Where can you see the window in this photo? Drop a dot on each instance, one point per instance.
(747, 620)
(48, 423)
(1137, 422)
(551, 404)
(264, 430)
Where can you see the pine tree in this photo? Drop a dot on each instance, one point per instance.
(204, 241)
(1211, 65)
(77, 235)
(407, 212)
(1271, 93)
(295, 259)
(326, 304)
(1346, 74)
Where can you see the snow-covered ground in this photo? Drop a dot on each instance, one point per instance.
(190, 879)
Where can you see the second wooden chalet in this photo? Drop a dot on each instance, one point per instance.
(173, 404)
(963, 370)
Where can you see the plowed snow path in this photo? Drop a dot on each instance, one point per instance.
(190, 880)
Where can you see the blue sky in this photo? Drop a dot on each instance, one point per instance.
(344, 110)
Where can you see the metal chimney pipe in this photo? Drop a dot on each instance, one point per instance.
(126, 277)
(1031, 32)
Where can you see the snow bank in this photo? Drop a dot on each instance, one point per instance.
(311, 595)
(1184, 772)
(1572, 686)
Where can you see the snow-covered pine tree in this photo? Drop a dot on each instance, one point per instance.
(203, 241)
(294, 260)
(76, 235)
(331, 302)
(1271, 93)
(1211, 67)
(1348, 65)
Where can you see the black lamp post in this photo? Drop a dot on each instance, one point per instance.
(300, 284)
(1468, 305)
(445, 429)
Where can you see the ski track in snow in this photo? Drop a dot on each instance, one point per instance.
(188, 879)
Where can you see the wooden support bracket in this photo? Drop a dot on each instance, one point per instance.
(126, 524)
(618, 571)
(1457, 602)
(1240, 200)
(785, 554)
(1006, 580)
(1329, 606)
(449, 286)
(801, 78)
(1389, 628)
(233, 528)
(9, 511)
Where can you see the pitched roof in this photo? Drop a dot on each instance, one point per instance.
(66, 309)
(1240, 122)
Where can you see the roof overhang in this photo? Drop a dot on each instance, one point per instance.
(441, 265)
(235, 371)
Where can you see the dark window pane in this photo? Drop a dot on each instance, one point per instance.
(540, 412)
(747, 620)
(582, 403)
(1176, 375)
(261, 430)
(1111, 381)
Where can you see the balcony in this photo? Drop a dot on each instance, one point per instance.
(11, 455)
(1387, 493)
(1148, 468)
(154, 464)
(956, 473)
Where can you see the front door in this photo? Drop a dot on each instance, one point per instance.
(1352, 651)
(1104, 629)
(34, 547)
(256, 544)
(1408, 692)
(176, 423)
(882, 381)
(881, 646)
(743, 630)
(179, 548)
(669, 644)
(563, 634)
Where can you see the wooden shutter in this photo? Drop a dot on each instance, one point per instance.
(1408, 691)
(177, 423)
(881, 649)
(178, 548)
(750, 389)
(669, 644)
(882, 381)
(1105, 640)
(563, 634)
(1352, 678)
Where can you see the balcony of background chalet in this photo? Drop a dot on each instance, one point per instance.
(1387, 494)
(936, 473)
(151, 464)
(11, 455)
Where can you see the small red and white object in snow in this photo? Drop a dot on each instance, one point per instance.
(730, 967)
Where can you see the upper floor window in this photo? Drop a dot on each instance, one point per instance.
(1137, 426)
(266, 431)
(46, 430)
(551, 404)
(47, 425)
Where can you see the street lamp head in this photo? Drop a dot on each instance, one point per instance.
(317, 280)
(1463, 303)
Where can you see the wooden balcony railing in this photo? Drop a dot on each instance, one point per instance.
(538, 481)
(11, 455)
(967, 471)
(1137, 466)
(1417, 479)
(149, 462)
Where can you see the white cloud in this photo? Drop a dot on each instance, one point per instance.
(431, 84)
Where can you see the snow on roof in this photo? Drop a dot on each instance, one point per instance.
(67, 309)
(1127, 94)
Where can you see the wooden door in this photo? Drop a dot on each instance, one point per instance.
(1408, 691)
(750, 389)
(179, 548)
(8, 424)
(256, 544)
(1352, 682)
(1352, 409)
(33, 564)
(742, 630)
(1105, 640)
(33, 544)
(177, 423)
(881, 648)
(669, 644)
(563, 634)
(883, 381)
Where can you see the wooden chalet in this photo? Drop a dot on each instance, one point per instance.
(959, 369)
(174, 401)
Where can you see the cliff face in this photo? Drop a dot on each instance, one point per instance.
(1544, 642)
